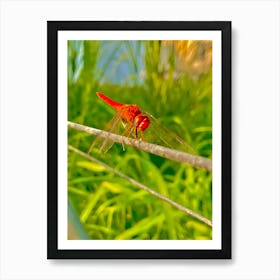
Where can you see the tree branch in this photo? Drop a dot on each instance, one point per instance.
(143, 187)
(179, 156)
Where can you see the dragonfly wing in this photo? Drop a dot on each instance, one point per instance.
(104, 143)
(161, 135)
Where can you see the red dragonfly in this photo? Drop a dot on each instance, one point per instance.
(137, 122)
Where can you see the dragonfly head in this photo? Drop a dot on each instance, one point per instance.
(141, 122)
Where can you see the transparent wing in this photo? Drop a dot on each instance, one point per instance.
(102, 143)
(158, 134)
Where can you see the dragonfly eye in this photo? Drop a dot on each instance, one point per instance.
(141, 122)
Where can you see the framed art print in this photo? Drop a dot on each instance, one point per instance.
(139, 140)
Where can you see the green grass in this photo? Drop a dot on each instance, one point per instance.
(110, 207)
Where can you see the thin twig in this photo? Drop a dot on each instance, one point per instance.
(143, 187)
(165, 152)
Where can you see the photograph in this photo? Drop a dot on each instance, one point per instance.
(172, 80)
(135, 140)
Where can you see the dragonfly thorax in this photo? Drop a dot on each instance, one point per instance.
(129, 112)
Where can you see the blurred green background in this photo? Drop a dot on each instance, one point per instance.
(172, 80)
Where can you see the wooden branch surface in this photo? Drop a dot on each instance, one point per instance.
(165, 152)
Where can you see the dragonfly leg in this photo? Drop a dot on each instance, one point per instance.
(127, 133)
(142, 135)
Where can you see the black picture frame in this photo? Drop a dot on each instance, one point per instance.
(53, 27)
